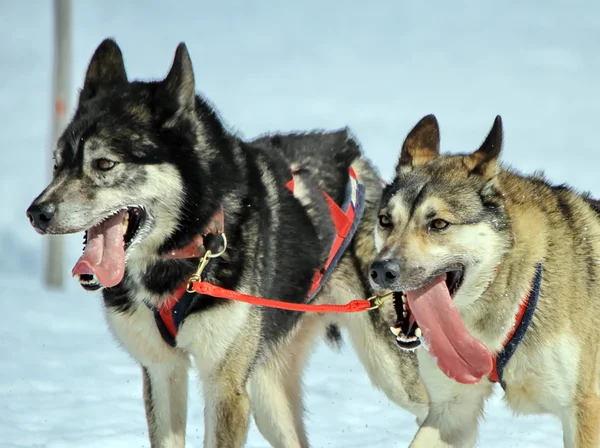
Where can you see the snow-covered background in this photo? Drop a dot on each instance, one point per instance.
(377, 66)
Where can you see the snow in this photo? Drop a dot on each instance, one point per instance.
(375, 66)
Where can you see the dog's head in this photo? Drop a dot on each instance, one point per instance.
(441, 235)
(442, 214)
(121, 164)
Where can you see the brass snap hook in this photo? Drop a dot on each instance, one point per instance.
(197, 276)
(377, 301)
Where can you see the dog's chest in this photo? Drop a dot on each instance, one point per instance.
(136, 330)
(210, 335)
(206, 336)
(542, 378)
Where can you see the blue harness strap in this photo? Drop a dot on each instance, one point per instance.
(172, 312)
(510, 347)
(355, 198)
(168, 328)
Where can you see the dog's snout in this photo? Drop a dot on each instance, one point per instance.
(385, 272)
(40, 215)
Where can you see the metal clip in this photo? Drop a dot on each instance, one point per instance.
(377, 301)
(197, 276)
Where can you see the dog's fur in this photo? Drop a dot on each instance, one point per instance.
(499, 217)
(178, 163)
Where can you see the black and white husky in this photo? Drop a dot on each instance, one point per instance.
(149, 173)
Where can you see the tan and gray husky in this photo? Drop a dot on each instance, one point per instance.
(152, 176)
(496, 276)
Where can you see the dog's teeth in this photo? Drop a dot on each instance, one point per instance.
(125, 222)
(403, 298)
(395, 330)
(404, 306)
(404, 338)
(418, 333)
(404, 314)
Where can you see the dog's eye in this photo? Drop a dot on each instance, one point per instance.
(438, 224)
(103, 164)
(384, 221)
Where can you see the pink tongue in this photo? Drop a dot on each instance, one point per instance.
(104, 254)
(459, 355)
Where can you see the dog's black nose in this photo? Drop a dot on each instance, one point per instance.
(385, 272)
(40, 215)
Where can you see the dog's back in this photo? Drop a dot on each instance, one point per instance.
(320, 162)
(324, 156)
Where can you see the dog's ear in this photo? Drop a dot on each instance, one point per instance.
(179, 84)
(106, 70)
(421, 144)
(484, 162)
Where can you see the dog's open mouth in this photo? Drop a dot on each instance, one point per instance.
(429, 316)
(407, 332)
(102, 263)
(406, 329)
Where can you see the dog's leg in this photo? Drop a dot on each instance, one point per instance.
(276, 388)
(164, 373)
(275, 409)
(224, 343)
(165, 400)
(452, 423)
(588, 422)
(581, 420)
(454, 409)
(581, 423)
(227, 412)
(227, 409)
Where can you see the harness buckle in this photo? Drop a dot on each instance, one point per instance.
(197, 276)
(377, 301)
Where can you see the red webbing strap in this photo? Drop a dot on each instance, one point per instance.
(316, 282)
(166, 310)
(209, 289)
(290, 185)
(342, 222)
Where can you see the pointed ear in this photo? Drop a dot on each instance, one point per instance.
(421, 144)
(106, 69)
(484, 161)
(179, 83)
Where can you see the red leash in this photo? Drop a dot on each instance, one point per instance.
(354, 306)
(170, 313)
(343, 222)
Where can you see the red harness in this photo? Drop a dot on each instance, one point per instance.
(171, 312)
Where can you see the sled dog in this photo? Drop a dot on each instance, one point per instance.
(150, 174)
(496, 280)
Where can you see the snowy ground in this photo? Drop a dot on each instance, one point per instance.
(377, 67)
